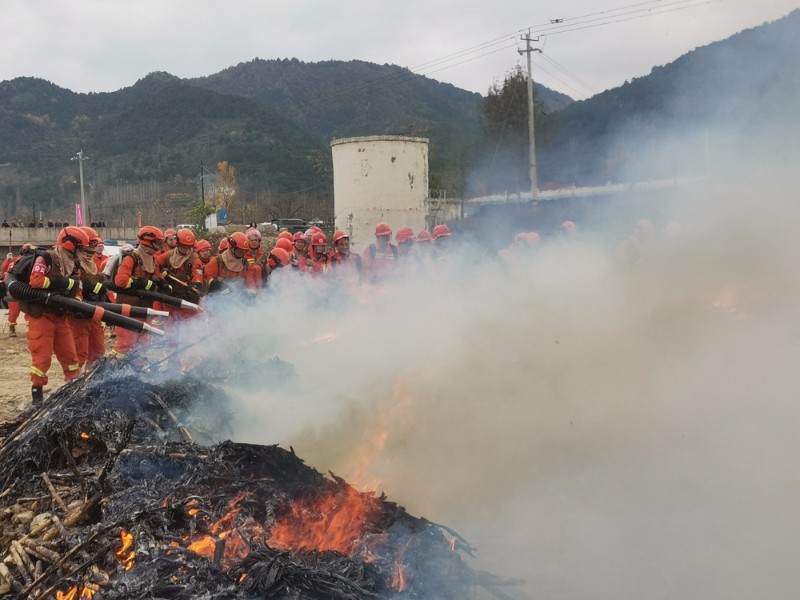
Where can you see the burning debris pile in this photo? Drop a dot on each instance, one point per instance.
(106, 493)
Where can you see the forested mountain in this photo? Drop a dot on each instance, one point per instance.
(734, 99)
(273, 120)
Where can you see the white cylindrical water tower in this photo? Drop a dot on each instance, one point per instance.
(379, 178)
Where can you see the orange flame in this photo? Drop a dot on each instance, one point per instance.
(399, 577)
(85, 435)
(334, 522)
(204, 546)
(236, 548)
(126, 554)
(391, 418)
(86, 592)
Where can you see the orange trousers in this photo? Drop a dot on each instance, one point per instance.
(90, 343)
(50, 334)
(13, 313)
(127, 340)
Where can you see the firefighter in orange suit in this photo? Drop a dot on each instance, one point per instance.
(380, 257)
(230, 264)
(345, 265)
(177, 267)
(203, 251)
(89, 339)
(138, 271)
(49, 329)
(318, 257)
(256, 257)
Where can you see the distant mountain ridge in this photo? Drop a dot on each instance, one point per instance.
(738, 95)
(273, 120)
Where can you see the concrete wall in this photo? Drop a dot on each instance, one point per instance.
(46, 236)
(379, 179)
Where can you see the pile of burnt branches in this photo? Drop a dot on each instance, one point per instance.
(107, 492)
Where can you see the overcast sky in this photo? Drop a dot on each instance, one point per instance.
(105, 45)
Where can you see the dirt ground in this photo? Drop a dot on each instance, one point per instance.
(15, 383)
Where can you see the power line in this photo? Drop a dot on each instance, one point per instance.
(615, 19)
(566, 25)
(565, 71)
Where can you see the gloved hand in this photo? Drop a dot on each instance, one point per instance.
(193, 295)
(217, 286)
(143, 283)
(95, 293)
(64, 285)
(164, 287)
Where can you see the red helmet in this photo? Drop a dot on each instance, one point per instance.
(284, 243)
(314, 229)
(202, 245)
(319, 239)
(285, 235)
(224, 244)
(150, 236)
(186, 237)
(72, 238)
(339, 235)
(169, 232)
(440, 231)
(403, 235)
(280, 257)
(383, 229)
(299, 236)
(528, 237)
(424, 236)
(238, 240)
(91, 234)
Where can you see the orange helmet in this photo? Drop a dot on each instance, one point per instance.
(319, 239)
(202, 245)
(299, 236)
(186, 237)
(383, 229)
(279, 256)
(150, 236)
(568, 225)
(169, 232)
(238, 240)
(224, 244)
(440, 231)
(339, 235)
(72, 238)
(284, 243)
(91, 234)
(285, 235)
(424, 236)
(403, 235)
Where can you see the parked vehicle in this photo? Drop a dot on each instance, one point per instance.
(293, 225)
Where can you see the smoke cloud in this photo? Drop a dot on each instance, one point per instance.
(601, 419)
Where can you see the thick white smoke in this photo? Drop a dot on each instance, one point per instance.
(601, 426)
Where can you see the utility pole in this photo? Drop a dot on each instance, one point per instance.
(531, 131)
(80, 157)
(202, 184)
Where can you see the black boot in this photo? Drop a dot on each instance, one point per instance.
(37, 394)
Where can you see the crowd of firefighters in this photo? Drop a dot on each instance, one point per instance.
(175, 264)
